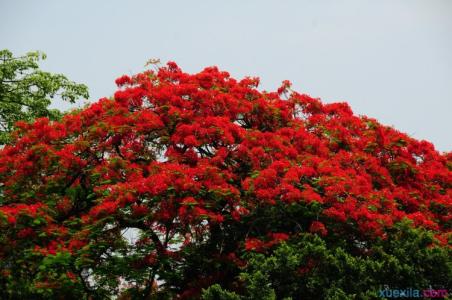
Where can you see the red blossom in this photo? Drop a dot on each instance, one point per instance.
(26, 232)
(318, 227)
(71, 276)
(123, 80)
(253, 244)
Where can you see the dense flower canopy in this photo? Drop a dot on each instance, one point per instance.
(207, 169)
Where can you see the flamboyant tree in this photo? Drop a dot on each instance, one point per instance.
(231, 193)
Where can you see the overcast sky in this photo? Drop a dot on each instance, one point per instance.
(391, 60)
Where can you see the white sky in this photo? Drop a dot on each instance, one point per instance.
(390, 59)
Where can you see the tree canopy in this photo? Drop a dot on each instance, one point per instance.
(26, 91)
(233, 192)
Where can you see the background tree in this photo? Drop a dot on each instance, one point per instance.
(233, 193)
(26, 91)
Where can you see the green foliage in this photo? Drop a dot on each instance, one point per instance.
(26, 91)
(310, 267)
(215, 292)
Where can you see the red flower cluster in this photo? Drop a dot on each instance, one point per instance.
(260, 245)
